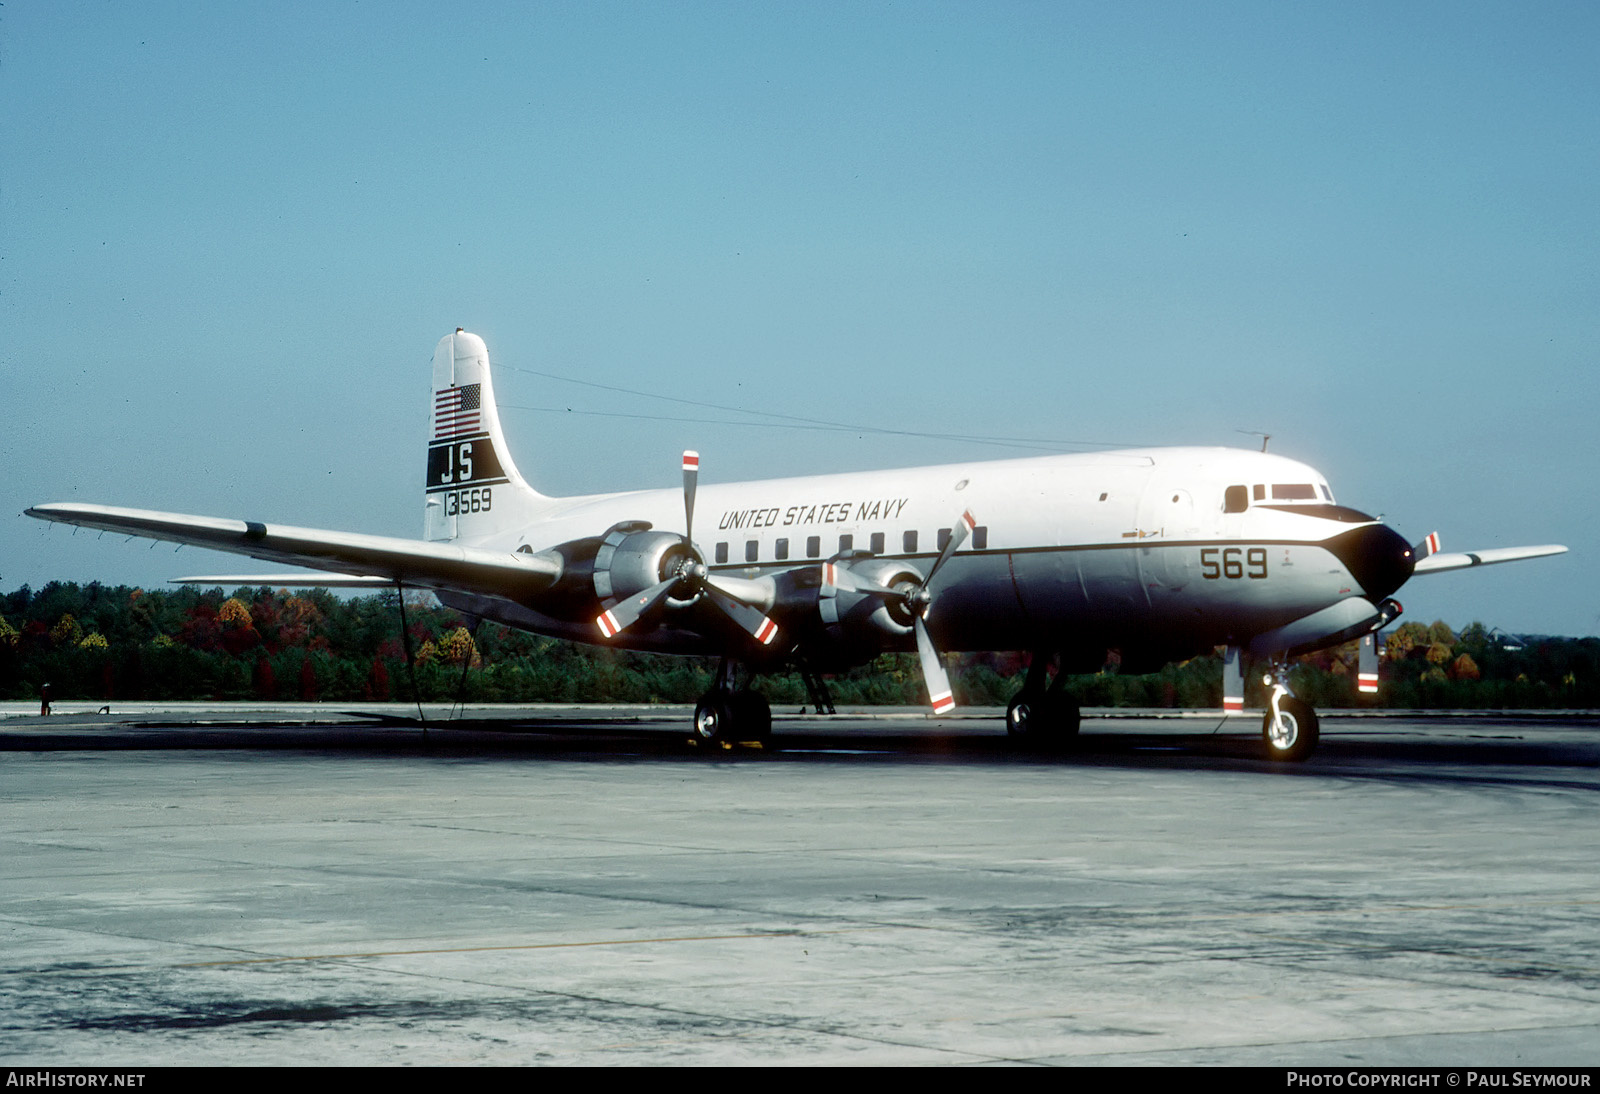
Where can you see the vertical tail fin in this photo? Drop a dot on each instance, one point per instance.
(473, 488)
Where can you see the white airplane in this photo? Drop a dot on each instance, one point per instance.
(1158, 553)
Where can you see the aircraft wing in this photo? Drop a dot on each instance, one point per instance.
(328, 580)
(1437, 564)
(415, 563)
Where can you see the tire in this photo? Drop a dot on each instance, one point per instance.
(1045, 721)
(1065, 719)
(1020, 718)
(752, 717)
(714, 720)
(1297, 738)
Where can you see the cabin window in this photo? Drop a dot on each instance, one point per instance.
(813, 546)
(752, 550)
(877, 543)
(980, 537)
(780, 550)
(722, 552)
(1104, 496)
(909, 541)
(944, 538)
(1234, 500)
(845, 543)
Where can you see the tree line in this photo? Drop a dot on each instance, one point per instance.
(108, 643)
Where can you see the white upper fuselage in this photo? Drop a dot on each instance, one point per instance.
(1167, 494)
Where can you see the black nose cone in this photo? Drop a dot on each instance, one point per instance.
(1377, 556)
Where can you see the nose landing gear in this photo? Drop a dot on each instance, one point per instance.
(1289, 726)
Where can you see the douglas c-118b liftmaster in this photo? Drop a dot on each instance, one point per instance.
(1158, 553)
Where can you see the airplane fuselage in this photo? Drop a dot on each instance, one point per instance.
(1144, 550)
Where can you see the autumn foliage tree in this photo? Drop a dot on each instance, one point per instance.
(93, 641)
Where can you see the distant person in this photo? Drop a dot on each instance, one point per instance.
(44, 700)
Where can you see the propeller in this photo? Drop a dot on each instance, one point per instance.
(688, 578)
(917, 600)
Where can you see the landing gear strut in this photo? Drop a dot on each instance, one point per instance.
(1041, 717)
(1289, 726)
(817, 689)
(729, 715)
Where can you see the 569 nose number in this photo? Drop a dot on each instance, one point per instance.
(1221, 562)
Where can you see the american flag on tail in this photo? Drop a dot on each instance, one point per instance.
(457, 410)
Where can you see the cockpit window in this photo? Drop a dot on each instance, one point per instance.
(1293, 491)
(1234, 500)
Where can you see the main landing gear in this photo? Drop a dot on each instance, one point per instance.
(1289, 726)
(729, 716)
(1042, 717)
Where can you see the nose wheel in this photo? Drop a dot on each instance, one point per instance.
(1289, 727)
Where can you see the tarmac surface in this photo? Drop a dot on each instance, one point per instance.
(226, 884)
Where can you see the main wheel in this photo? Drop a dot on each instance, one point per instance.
(1020, 717)
(1294, 735)
(714, 719)
(1042, 721)
(752, 717)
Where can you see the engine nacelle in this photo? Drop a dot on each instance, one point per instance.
(632, 559)
(629, 559)
(851, 615)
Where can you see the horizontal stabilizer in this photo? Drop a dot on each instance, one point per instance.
(407, 561)
(1435, 564)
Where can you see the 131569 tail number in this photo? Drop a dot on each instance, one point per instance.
(1231, 562)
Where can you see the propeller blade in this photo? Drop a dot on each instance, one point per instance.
(1367, 667)
(933, 673)
(758, 593)
(691, 476)
(619, 617)
(1233, 681)
(958, 536)
(761, 628)
(831, 578)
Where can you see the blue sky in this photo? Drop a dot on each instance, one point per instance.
(230, 237)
